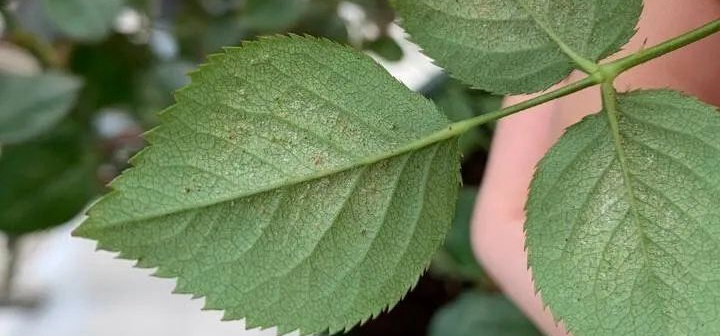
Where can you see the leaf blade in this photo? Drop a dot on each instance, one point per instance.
(23, 116)
(88, 20)
(45, 180)
(276, 156)
(512, 47)
(478, 314)
(623, 264)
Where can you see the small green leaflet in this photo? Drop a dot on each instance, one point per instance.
(88, 20)
(478, 314)
(31, 105)
(637, 256)
(292, 184)
(517, 46)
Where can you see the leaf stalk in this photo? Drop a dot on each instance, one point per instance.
(12, 250)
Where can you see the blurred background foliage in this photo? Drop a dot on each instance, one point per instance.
(81, 80)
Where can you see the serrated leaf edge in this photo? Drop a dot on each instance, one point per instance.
(443, 134)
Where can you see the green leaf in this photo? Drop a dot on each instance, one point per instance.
(295, 183)
(273, 15)
(87, 20)
(456, 258)
(157, 86)
(45, 182)
(386, 47)
(625, 240)
(477, 314)
(518, 46)
(31, 105)
(458, 242)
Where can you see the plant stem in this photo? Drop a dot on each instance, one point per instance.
(7, 17)
(12, 249)
(44, 52)
(464, 125)
(661, 49)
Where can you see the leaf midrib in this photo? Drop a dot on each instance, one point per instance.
(585, 64)
(423, 142)
(612, 112)
(610, 104)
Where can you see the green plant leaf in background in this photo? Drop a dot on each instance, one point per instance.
(112, 71)
(46, 181)
(387, 48)
(157, 86)
(517, 46)
(458, 102)
(624, 237)
(273, 15)
(86, 20)
(456, 259)
(288, 186)
(477, 314)
(31, 105)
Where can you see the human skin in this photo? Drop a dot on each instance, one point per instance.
(521, 140)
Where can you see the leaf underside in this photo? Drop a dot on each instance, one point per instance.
(635, 256)
(514, 46)
(278, 187)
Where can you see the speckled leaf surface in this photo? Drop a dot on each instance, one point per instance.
(517, 46)
(639, 255)
(287, 186)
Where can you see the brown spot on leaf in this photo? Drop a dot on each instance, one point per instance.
(318, 160)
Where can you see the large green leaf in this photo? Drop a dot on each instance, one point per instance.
(517, 46)
(292, 184)
(46, 181)
(624, 236)
(89, 20)
(30, 105)
(477, 314)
